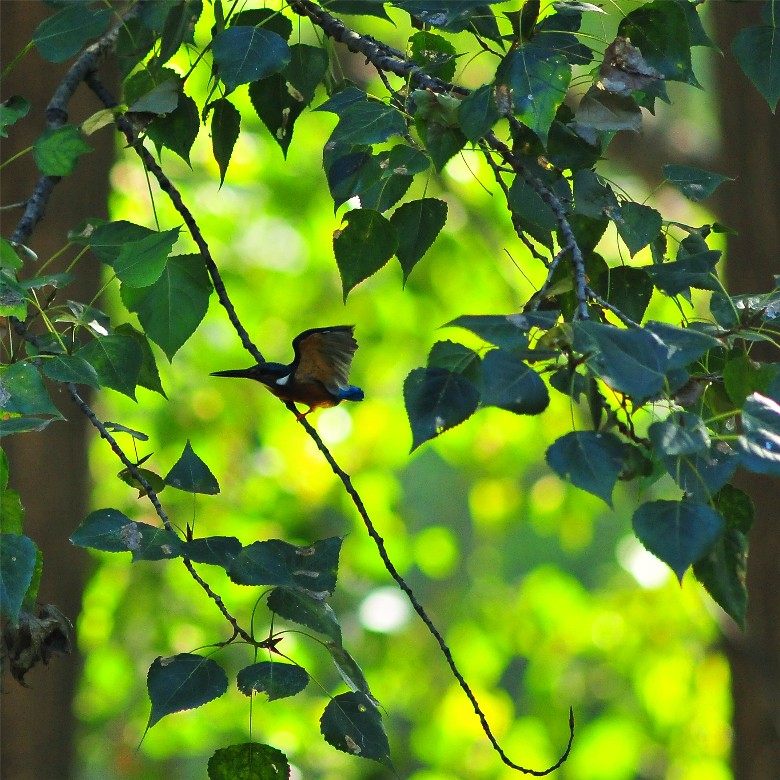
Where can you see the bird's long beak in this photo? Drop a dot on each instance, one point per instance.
(247, 373)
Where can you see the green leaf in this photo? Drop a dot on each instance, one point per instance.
(306, 611)
(11, 509)
(141, 262)
(367, 122)
(267, 18)
(680, 533)
(191, 474)
(171, 309)
(62, 35)
(627, 289)
(214, 550)
(57, 150)
(359, 8)
(436, 400)
(346, 95)
(310, 569)
(677, 277)
(723, 573)
(434, 54)
(249, 761)
(178, 28)
(509, 331)
(632, 361)
(278, 680)
(363, 246)
(117, 360)
(152, 479)
(22, 391)
(477, 113)
(742, 376)
(18, 555)
(245, 54)
(107, 240)
(225, 127)
(684, 345)
(702, 474)
(760, 440)
(352, 724)
(538, 79)
(349, 670)
(183, 682)
(593, 197)
(590, 460)
(757, 50)
(660, 31)
(110, 530)
(512, 385)
(178, 129)
(682, 433)
(637, 225)
(457, 358)
(281, 98)
(70, 368)
(11, 111)
(696, 184)
(148, 93)
(436, 120)
(417, 223)
(149, 376)
(23, 425)
(532, 214)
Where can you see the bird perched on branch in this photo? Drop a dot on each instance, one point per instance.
(319, 373)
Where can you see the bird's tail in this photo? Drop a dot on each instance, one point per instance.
(351, 393)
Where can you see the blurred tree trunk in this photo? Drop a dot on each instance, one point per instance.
(751, 205)
(50, 468)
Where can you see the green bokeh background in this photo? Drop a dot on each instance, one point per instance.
(544, 596)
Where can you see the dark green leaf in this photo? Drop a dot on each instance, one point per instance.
(152, 479)
(342, 99)
(70, 368)
(191, 474)
(363, 246)
(148, 93)
(214, 550)
(140, 263)
(368, 122)
(737, 508)
(310, 569)
(695, 183)
(436, 120)
(477, 113)
(349, 670)
(593, 197)
(722, 572)
(386, 191)
(117, 360)
(760, 440)
(305, 610)
(436, 400)
(178, 129)
(702, 474)
(183, 682)
(149, 376)
(249, 762)
(627, 289)
(660, 31)
(681, 433)
(178, 28)
(351, 173)
(756, 50)
(278, 680)
(359, 8)
(742, 376)
(590, 460)
(18, 555)
(509, 331)
(457, 358)
(62, 35)
(107, 240)
(22, 391)
(11, 111)
(154, 544)
(417, 224)
(533, 215)
(57, 150)
(511, 384)
(637, 225)
(678, 277)
(13, 425)
(435, 54)
(245, 54)
(632, 361)
(538, 78)
(352, 723)
(267, 18)
(684, 344)
(281, 98)
(225, 127)
(119, 428)
(172, 308)
(680, 533)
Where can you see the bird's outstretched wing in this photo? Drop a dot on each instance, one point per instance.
(325, 355)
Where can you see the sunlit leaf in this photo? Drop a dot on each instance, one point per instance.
(57, 150)
(11, 111)
(248, 762)
(70, 368)
(141, 262)
(22, 391)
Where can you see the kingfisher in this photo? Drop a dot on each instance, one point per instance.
(319, 373)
